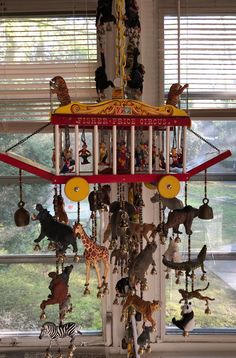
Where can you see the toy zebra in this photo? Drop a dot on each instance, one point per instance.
(63, 330)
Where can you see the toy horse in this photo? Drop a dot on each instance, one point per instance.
(93, 254)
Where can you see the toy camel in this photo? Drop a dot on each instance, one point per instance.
(93, 254)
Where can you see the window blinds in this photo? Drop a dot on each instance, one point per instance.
(207, 59)
(33, 51)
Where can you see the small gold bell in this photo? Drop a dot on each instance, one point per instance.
(76, 258)
(21, 216)
(37, 247)
(115, 302)
(207, 310)
(43, 316)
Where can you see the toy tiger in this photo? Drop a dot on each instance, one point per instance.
(144, 307)
(58, 86)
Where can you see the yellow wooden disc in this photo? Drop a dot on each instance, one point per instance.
(151, 186)
(76, 189)
(168, 186)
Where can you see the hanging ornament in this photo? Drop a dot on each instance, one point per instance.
(84, 153)
(21, 216)
(205, 211)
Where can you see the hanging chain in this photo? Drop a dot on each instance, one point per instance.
(55, 201)
(94, 216)
(205, 184)
(186, 193)
(29, 136)
(20, 185)
(78, 212)
(83, 139)
(204, 140)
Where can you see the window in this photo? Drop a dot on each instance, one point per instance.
(37, 48)
(204, 56)
(218, 235)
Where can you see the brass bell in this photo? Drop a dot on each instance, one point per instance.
(205, 211)
(21, 216)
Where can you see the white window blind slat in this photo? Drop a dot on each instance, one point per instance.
(207, 58)
(36, 49)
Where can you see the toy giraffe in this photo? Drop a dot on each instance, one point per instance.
(93, 254)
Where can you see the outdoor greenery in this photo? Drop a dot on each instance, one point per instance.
(24, 286)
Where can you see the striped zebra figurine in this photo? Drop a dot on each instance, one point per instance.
(63, 330)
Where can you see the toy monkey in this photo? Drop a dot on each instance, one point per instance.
(84, 153)
(174, 94)
(104, 13)
(135, 79)
(101, 78)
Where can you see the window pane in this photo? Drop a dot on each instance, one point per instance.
(222, 278)
(36, 49)
(218, 133)
(207, 59)
(37, 148)
(219, 236)
(29, 283)
(20, 240)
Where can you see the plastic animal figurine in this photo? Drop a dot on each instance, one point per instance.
(61, 234)
(121, 258)
(188, 266)
(58, 287)
(65, 307)
(58, 86)
(122, 286)
(174, 94)
(141, 230)
(196, 294)
(146, 308)
(104, 13)
(172, 254)
(136, 77)
(187, 322)
(69, 162)
(144, 340)
(100, 199)
(59, 208)
(84, 153)
(176, 217)
(93, 254)
(103, 154)
(170, 203)
(122, 156)
(140, 265)
(131, 15)
(101, 79)
(54, 332)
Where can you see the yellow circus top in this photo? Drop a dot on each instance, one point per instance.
(120, 107)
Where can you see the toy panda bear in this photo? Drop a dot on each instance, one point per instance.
(186, 323)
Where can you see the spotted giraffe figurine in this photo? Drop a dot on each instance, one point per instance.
(93, 254)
